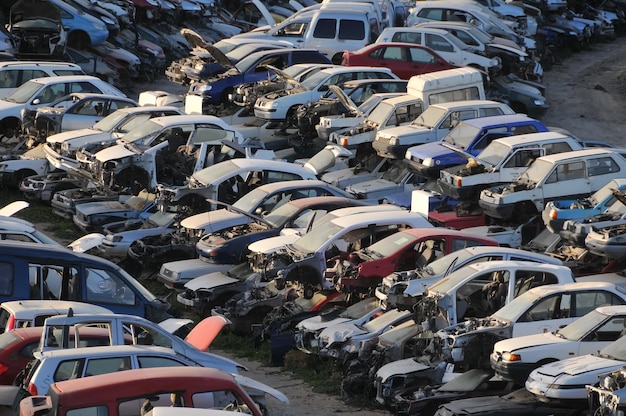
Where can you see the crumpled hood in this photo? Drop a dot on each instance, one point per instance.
(374, 185)
(212, 221)
(341, 332)
(73, 135)
(209, 281)
(400, 367)
(316, 323)
(272, 244)
(101, 206)
(580, 365)
(117, 151)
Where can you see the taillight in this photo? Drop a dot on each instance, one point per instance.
(4, 368)
(344, 141)
(10, 323)
(459, 182)
(554, 214)
(32, 389)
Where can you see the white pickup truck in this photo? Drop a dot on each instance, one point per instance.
(502, 161)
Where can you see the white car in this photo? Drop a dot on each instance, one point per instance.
(60, 149)
(283, 104)
(564, 381)
(513, 359)
(41, 91)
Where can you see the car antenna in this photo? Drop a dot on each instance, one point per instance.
(70, 313)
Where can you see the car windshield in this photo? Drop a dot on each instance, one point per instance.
(440, 266)
(369, 104)
(225, 45)
(162, 219)
(241, 52)
(382, 321)
(390, 245)
(582, 326)
(314, 80)
(430, 117)
(396, 172)
(209, 175)
(247, 63)
(615, 350)
(538, 170)
(44, 238)
(312, 241)
(108, 123)
(494, 152)
(453, 279)
(514, 309)
(281, 215)
(380, 113)
(25, 92)
(251, 200)
(462, 135)
(605, 192)
(143, 133)
(359, 309)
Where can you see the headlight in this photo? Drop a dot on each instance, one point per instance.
(507, 356)
(100, 25)
(539, 102)
(428, 162)
(65, 147)
(393, 140)
(205, 87)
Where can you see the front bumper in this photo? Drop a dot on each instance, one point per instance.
(502, 211)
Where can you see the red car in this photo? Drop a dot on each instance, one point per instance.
(404, 59)
(403, 251)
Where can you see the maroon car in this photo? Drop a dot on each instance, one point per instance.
(403, 251)
(404, 59)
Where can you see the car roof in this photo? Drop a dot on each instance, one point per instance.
(321, 200)
(484, 250)
(380, 217)
(39, 64)
(49, 252)
(514, 264)
(467, 104)
(188, 118)
(149, 109)
(438, 232)
(400, 99)
(66, 78)
(24, 307)
(500, 119)
(612, 309)
(415, 29)
(593, 151)
(545, 290)
(342, 69)
(299, 183)
(531, 138)
(16, 224)
(106, 351)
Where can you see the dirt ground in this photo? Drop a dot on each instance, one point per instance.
(587, 96)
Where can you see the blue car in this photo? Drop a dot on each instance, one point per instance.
(83, 29)
(557, 212)
(469, 137)
(216, 90)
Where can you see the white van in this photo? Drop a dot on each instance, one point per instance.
(15, 73)
(330, 29)
(449, 85)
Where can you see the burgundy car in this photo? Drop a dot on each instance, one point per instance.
(404, 59)
(403, 251)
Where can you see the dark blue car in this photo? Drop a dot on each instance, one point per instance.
(470, 136)
(215, 90)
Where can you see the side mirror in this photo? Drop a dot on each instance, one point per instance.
(36, 101)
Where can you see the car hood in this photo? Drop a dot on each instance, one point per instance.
(345, 100)
(219, 56)
(101, 206)
(375, 185)
(117, 151)
(32, 9)
(73, 135)
(212, 221)
(203, 334)
(283, 75)
(341, 332)
(86, 242)
(316, 323)
(400, 367)
(580, 365)
(251, 384)
(529, 341)
(210, 281)
(272, 244)
(509, 50)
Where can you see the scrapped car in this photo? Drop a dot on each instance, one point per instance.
(61, 148)
(606, 238)
(119, 235)
(307, 330)
(433, 124)
(198, 387)
(39, 92)
(93, 216)
(15, 73)
(471, 137)
(94, 280)
(513, 359)
(501, 161)
(571, 174)
(445, 44)
(37, 28)
(73, 112)
(545, 309)
(404, 59)
(560, 211)
(364, 269)
(161, 150)
(229, 180)
(401, 289)
(563, 382)
(216, 90)
(282, 105)
(607, 394)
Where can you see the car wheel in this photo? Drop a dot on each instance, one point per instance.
(19, 176)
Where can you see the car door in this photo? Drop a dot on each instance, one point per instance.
(600, 170)
(518, 162)
(444, 48)
(395, 58)
(568, 178)
(609, 331)
(423, 61)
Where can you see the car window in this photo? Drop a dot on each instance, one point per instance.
(526, 280)
(151, 362)
(601, 166)
(392, 53)
(422, 56)
(437, 43)
(325, 29)
(84, 87)
(544, 309)
(407, 37)
(103, 286)
(492, 111)
(69, 369)
(351, 29)
(107, 365)
(144, 335)
(609, 331)
(522, 158)
(585, 302)
(16, 237)
(51, 93)
(64, 72)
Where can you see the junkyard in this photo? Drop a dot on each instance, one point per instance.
(446, 240)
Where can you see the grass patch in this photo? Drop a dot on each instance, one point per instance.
(323, 375)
